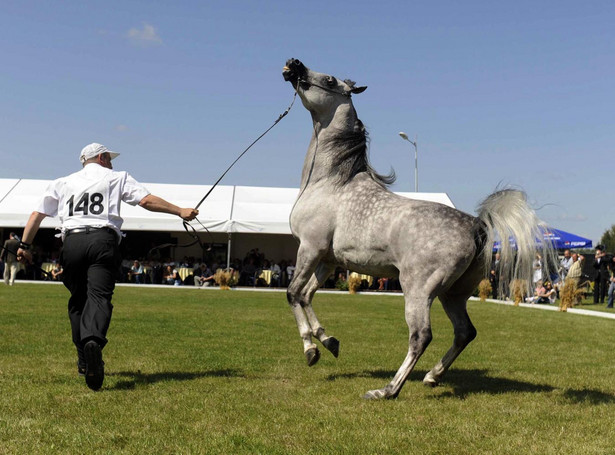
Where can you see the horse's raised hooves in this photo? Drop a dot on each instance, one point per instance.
(333, 345)
(312, 356)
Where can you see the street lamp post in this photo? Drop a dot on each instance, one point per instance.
(416, 159)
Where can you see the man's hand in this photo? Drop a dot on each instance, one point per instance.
(24, 256)
(188, 214)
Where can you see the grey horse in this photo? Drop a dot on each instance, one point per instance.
(345, 216)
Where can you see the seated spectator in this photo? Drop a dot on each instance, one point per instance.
(276, 271)
(539, 290)
(136, 273)
(248, 273)
(543, 293)
(56, 273)
(197, 272)
(171, 276)
(203, 276)
(383, 284)
(290, 270)
(549, 295)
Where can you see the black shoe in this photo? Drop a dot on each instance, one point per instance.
(81, 368)
(95, 368)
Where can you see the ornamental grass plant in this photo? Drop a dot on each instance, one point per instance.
(484, 289)
(354, 284)
(570, 295)
(517, 291)
(226, 278)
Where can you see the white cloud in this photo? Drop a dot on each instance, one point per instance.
(144, 36)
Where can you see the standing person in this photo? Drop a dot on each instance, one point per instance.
(88, 205)
(564, 264)
(602, 274)
(9, 256)
(537, 265)
(611, 291)
(576, 269)
(494, 276)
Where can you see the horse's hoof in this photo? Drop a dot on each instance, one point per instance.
(429, 380)
(312, 355)
(333, 345)
(378, 394)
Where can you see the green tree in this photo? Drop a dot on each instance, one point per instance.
(608, 239)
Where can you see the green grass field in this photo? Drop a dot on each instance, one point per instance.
(222, 372)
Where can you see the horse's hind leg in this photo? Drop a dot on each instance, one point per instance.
(322, 273)
(418, 304)
(455, 308)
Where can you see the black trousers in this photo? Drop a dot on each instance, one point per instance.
(601, 284)
(91, 262)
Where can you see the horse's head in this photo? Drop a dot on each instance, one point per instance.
(319, 92)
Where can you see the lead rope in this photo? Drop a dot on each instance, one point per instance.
(187, 226)
(282, 115)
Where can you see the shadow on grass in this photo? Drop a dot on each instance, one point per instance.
(587, 396)
(139, 378)
(468, 382)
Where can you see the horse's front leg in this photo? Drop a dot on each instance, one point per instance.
(316, 281)
(306, 265)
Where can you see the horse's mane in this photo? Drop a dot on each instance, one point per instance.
(351, 156)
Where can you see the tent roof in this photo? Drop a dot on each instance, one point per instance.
(227, 209)
(559, 239)
(562, 239)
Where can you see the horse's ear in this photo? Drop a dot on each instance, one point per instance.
(357, 90)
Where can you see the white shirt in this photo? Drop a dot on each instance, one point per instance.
(91, 197)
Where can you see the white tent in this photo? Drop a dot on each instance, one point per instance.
(238, 209)
(228, 209)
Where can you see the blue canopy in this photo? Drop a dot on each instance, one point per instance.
(560, 239)
(565, 240)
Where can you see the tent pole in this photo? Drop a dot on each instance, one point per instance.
(228, 252)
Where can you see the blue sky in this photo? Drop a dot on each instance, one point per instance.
(499, 93)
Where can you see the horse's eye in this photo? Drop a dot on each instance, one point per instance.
(331, 81)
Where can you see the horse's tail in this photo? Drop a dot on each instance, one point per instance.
(507, 215)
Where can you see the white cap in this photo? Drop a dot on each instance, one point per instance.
(94, 149)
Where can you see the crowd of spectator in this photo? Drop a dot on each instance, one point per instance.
(190, 271)
(545, 286)
(249, 271)
(259, 271)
